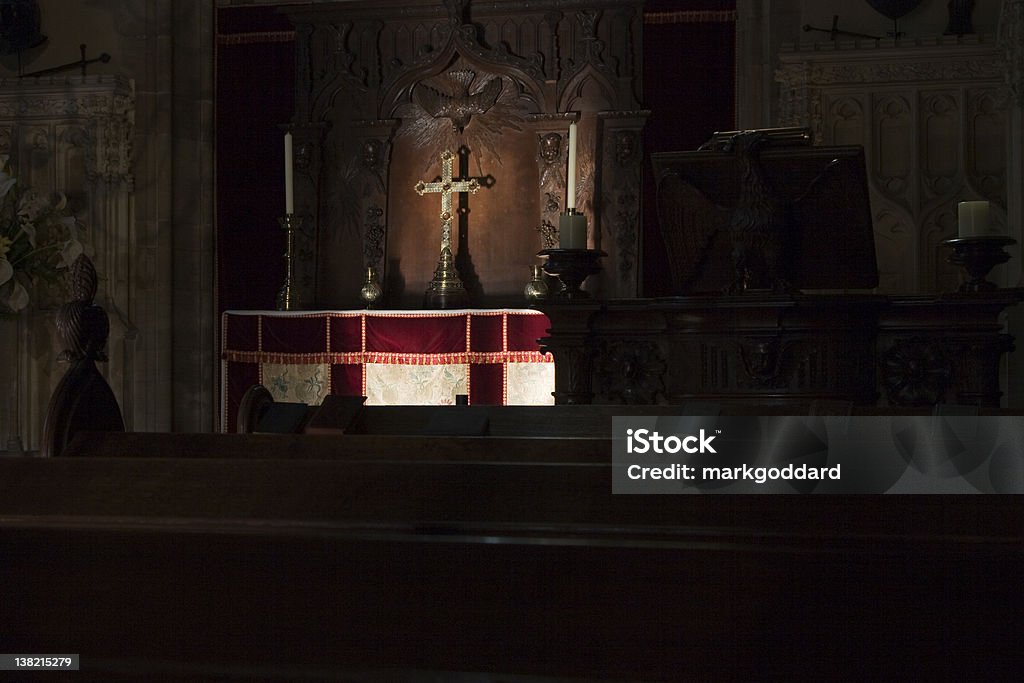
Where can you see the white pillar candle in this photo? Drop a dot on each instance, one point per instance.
(570, 193)
(572, 231)
(973, 219)
(289, 189)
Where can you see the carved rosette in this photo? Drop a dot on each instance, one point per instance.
(630, 371)
(916, 372)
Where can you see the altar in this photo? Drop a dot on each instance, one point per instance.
(394, 357)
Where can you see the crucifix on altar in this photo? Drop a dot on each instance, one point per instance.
(446, 289)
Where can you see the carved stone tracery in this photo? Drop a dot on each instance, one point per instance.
(934, 127)
(73, 135)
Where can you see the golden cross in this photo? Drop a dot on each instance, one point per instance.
(446, 186)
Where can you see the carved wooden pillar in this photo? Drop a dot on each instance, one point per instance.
(552, 157)
(569, 342)
(621, 170)
(308, 140)
(369, 173)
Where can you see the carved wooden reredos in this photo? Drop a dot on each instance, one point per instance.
(384, 87)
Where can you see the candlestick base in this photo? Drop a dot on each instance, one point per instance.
(287, 300)
(572, 267)
(978, 255)
(446, 289)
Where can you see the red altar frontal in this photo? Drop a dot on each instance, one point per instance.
(391, 357)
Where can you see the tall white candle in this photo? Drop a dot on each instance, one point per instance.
(570, 193)
(973, 219)
(289, 189)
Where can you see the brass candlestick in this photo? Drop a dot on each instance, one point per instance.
(977, 256)
(446, 289)
(572, 267)
(286, 298)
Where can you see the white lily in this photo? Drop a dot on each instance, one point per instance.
(31, 206)
(29, 228)
(71, 250)
(17, 299)
(6, 183)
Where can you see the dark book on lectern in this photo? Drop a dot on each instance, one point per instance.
(335, 414)
(282, 418)
(816, 197)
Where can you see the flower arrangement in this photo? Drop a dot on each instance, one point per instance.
(39, 240)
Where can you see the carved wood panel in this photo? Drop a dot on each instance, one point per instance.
(489, 80)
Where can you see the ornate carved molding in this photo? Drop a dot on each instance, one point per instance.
(102, 108)
(1011, 42)
(804, 71)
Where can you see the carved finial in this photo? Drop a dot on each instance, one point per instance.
(82, 276)
(83, 326)
(457, 11)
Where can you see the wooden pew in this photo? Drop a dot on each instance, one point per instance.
(387, 566)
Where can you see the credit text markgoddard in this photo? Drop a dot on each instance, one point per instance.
(643, 441)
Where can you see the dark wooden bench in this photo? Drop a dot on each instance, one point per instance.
(393, 568)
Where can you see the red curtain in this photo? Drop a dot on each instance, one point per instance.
(255, 76)
(689, 86)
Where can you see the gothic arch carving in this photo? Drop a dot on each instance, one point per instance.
(587, 84)
(462, 45)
